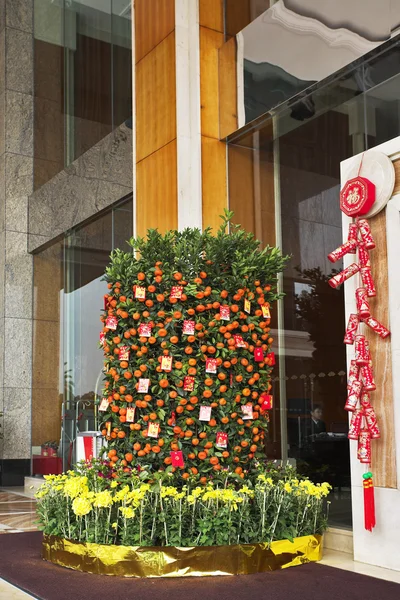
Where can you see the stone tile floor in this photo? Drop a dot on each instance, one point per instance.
(17, 514)
(17, 511)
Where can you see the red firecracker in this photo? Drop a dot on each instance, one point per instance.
(344, 275)
(353, 235)
(361, 350)
(354, 373)
(364, 446)
(362, 303)
(368, 281)
(366, 234)
(370, 419)
(348, 247)
(354, 396)
(355, 425)
(351, 330)
(380, 329)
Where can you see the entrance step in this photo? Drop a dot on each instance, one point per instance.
(31, 485)
(339, 539)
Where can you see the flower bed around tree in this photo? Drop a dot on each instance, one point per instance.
(90, 505)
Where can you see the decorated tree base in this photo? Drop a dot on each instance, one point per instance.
(170, 561)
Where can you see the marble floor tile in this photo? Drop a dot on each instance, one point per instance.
(9, 592)
(343, 560)
(19, 521)
(16, 507)
(12, 497)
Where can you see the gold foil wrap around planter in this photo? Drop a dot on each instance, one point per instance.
(169, 561)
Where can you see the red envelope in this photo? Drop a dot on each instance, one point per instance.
(271, 357)
(267, 401)
(177, 458)
(258, 355)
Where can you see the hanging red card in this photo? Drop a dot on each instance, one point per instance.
(103, 405)
(221, 440)
(267, 401)
(211, 365)
(130, 414)
(247, 412)
(205, 413)
(166, 363)
(239, 341)
(225, 313)
(271, 358)
(265, 311)
(111, 323)
(140, 292)
(176, 291)
(258, 354)
(173, 419)
(145, 330)
(188, 383)
(153, 430)
(188, 327)
(124, 353)
(177, 458)
(102, 337)
(143, 386)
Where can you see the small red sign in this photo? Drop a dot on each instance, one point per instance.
(176, 291)
(111, 323)
(221, 440)
(188, 383)
(188, 327)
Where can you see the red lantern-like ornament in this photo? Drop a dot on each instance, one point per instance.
(357, 196)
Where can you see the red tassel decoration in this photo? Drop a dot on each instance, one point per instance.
(369, 502)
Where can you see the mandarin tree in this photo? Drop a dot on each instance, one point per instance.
(187, 346)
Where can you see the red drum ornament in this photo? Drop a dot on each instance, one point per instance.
(351, 330)
(380, 329)
(354, 396)
(355, 425)
(361, 350)
(362, 303)
(366, 234)
(357, 196)
(364, 447)
(340, 278)
(368, 281)
(348, 247)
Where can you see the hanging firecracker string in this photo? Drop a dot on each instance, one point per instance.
(363, 426)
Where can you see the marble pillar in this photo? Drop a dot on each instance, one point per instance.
(16, 180)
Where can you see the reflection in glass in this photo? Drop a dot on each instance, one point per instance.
(83, 78)
(68, 298)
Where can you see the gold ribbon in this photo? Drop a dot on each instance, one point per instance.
(169, 561)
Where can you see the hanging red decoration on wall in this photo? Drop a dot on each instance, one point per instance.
(356, 200)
